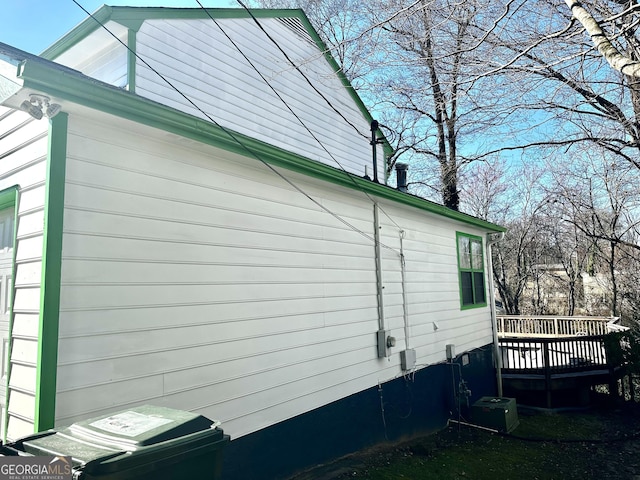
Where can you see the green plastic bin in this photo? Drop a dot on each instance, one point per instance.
(499, 413)
(141, 443)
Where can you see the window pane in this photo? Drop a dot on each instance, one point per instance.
(463, 251)
(476, 255)
(466, 288)
(478, 287)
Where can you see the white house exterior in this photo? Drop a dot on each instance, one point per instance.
(219, 259)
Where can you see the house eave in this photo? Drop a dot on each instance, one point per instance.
(70, 85)
(133, 17)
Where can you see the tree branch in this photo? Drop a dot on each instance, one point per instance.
(610, 53)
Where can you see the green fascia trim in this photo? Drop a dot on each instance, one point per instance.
(72, 86)
(460, 270)
(388, 150)
(47, 364)
(134, 17)
(131, 61)
(86, 27)
(9, 197)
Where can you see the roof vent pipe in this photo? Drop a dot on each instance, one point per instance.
(374, 144)
(401, 176)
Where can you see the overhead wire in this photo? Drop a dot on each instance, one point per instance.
(294, 65)
(306, 78)
(233, 136)
(266, 81)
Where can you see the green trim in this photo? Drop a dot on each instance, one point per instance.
(131, 60)
(8, 197)
(134, 17)
(72, 86)
(79, 33)
(47, 364)
(388, 150)
(471, 270)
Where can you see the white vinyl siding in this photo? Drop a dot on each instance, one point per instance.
(23, 151)
(110, 66)
(431, 283)
(100, 55)
(200, 280)
(197, 58)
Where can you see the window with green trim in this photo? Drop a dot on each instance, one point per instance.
(471, 271)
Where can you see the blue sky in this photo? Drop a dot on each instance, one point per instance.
(33, 25)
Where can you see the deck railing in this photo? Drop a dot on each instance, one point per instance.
(555, 326)
(549, 356)
(549, 349)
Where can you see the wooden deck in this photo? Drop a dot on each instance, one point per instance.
(547, 354)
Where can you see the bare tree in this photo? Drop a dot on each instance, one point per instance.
(569, 254)
(627, 64)
(419, 66)
(485, 186)
(514, 198)
(599, 197)
(569, 92)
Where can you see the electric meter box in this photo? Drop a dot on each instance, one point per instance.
(497, 413)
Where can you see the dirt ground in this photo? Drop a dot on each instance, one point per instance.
(602, 443)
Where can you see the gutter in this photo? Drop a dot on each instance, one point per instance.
(67, 84)
(492, 239)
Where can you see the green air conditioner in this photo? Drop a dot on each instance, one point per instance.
(497, 413)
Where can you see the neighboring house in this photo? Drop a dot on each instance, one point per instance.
(223, 263)
(548, 292)
(597, 293)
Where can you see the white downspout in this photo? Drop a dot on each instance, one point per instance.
(384, 339)
(491, 240)
(405, 312)
(379, 286)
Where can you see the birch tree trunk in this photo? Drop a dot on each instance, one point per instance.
(617, 60)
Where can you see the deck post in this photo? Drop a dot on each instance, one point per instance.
(547, 373)
(613, 384)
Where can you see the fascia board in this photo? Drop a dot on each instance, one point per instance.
(78, 33)
(388, 149)
(73, 86)
(133, 17)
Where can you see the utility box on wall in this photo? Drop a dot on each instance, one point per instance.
(498, 413)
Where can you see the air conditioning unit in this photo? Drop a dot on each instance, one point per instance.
(498, 413)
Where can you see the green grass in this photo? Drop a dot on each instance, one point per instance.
(542, 447)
